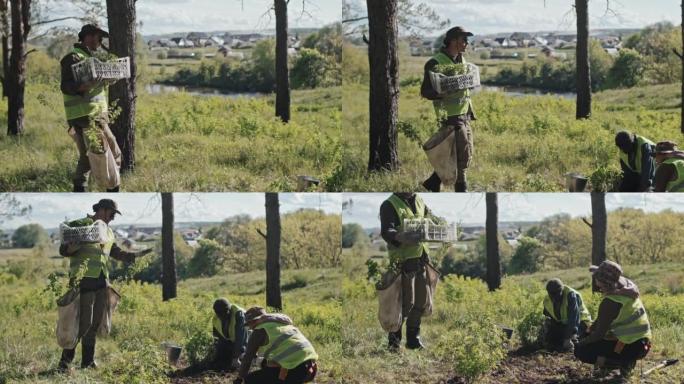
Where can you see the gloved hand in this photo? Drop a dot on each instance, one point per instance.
(235, 363)
(409, 238)
(568, 345)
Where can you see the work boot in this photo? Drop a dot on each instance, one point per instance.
(88, 356)
(627, 368)
(78, 188)
(461, 186)
(394, 340)
(115, 189)
(66, 359)
(433, 183)
(413, 338)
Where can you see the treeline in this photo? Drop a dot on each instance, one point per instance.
(646, 58)
(316, 64)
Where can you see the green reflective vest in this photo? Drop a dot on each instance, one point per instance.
(453, 104)
(286, 345)
(91, 103)
(640, 141)
(632, 323)
(584, 312)
(403, 210)
(676, 185)
(94, 255)
(218, 326)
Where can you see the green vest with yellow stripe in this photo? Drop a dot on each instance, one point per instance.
(632, 323)
(638, 157)
(95, 256)
(453, 104)
(676, 185)
(404, 211)
(91, 103)
(218, 326)
(584, 312)
(286, 345)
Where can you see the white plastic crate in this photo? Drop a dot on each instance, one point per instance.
(441, 233)
(444, 84)
(95, 233)
(93, 69)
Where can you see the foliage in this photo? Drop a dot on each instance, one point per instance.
(200, 347)
(527, 256)
(451, 69)
(29, 235)
(655, 44)
(529, 329)
(353, 234)
(605, 179)
(312, 69)
(627, 70)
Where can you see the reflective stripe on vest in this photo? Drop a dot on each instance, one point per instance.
(218, 326)
(640, 141)
(632, 323)
(95, 256)
(404, 211)
(92, 103)
(676, 185)
(584, 312)
(456, 103)
(286, 345)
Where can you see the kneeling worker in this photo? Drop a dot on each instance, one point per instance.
(289, 357)
(230, 335)
(567, 318)
(621, 334)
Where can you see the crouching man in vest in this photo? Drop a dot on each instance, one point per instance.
(288, 356)
(455, 109)
(669, 174)
(621, 334)
(230, 335)
(410, 254)
(86, 106)
(94, 257)
(567, 318)
(636, 161)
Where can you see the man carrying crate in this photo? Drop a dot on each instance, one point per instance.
(86, 106)
(455, 109)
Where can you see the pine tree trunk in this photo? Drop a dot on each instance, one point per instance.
(4, 43)
(282, 105)
(273, 298)
(384, 90)
(682, 82)
(121, 15)
(599, 225)
(492, 237)
(168, 251)
(16, 83)
(583, 80)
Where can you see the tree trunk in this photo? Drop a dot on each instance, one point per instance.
(168, 251)
(492, 237)
(583, 108)
(682, 106)
(273, 251)
(4, 44)
(282, 106)
(121, 16)
(599, 225)
(384, 90)
(16, 83)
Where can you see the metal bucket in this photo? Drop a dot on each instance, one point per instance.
(575, 182)
(173, 352)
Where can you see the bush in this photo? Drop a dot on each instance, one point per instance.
(627, 70)
(199, 347)
(352, 235)
(527, 257)
(208, 259)
(312, 69)
(530, 328)
(29, 235)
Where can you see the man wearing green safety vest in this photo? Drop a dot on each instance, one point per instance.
(567, 318)
(669, 175)
(86, 107)
(92, 260)
(230, 335)
(621, 334)
(289, 357)
(410, 255)
(455, 109)
(636, 161)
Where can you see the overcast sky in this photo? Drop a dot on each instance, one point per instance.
(470, 208)
(49, 209)
(491, 16)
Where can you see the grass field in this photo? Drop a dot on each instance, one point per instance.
(521, 143)
(133, 353)
(463, 339)
(186, 143)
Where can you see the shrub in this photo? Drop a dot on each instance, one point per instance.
(199, 347)
(29, 235)
(530, 328)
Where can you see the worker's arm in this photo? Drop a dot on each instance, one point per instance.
(68, 84)
(68, 249)
(389, 223)
(607, 312)
(573, 315)
(256, 340)
(239, 344)
(119, 254)
(647, 171)
(426, 89)
(663, 175)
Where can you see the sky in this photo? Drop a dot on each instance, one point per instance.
(470, 208)
(50, 209)
(167, 16)
(492, 16)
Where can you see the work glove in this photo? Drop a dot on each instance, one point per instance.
(409, 238)
(235, 363)
(568, 346)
